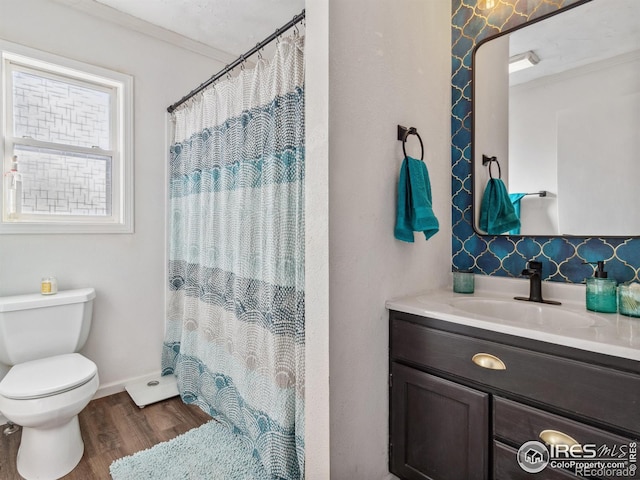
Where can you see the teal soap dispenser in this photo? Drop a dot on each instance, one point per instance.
(601, 291)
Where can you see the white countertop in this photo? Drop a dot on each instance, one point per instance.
(611, 334)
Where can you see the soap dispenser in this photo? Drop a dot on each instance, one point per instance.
(601, 291)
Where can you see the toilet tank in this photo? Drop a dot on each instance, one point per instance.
(35, 326)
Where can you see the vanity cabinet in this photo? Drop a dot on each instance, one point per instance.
(440, 427)
(451, 418)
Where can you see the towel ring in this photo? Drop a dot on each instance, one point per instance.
(489, 160)
(403, 134)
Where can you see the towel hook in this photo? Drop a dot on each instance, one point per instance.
(403, 134)
(489, 160)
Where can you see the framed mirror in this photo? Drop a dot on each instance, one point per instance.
(557, 103)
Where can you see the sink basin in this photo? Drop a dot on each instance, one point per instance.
(526, 313)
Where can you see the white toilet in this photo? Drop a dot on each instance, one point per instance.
(48, 383)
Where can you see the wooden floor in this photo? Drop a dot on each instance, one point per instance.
(113, 427)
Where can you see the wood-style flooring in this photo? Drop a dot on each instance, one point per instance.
(113, 427)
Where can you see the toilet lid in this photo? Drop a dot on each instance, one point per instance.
(47, 376)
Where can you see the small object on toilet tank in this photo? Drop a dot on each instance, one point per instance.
(48, 286)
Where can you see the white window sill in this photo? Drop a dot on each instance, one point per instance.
(64, 228)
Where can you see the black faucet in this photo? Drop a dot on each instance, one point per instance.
(534, 272)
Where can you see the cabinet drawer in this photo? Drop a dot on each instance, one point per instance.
(606, 395)
(506, 467)
(517, 423)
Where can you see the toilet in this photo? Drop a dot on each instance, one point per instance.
(48, 382)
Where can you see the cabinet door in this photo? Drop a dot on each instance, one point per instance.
(439, 429)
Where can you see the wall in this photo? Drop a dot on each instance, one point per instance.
(126, 270)
(579, 129)
(389, 65)
(507, 255)
(317, 407)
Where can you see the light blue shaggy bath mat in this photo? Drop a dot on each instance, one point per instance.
(210, 451)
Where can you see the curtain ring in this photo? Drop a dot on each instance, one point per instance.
(412, 131)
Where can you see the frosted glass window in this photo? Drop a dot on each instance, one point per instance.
(64, 183)
(56, 111)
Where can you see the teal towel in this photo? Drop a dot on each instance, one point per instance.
(497, 214)
(414, 212)
(515, 201)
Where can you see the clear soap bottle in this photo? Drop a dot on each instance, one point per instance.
(601, 291)
(13, 189)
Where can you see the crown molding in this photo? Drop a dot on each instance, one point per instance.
(105, 12)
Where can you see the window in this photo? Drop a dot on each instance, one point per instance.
(67, 146)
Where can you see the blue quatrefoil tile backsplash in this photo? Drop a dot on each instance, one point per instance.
(563, 258)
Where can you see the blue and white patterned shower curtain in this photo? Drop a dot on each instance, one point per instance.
(235, 328)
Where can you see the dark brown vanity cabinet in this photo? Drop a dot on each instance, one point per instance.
(453, 419)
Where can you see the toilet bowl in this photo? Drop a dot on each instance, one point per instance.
(45, 396)
(44, 382)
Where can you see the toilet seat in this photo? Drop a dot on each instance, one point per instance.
(47, 376)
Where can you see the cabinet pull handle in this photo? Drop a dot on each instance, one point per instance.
(486, 360)
(554, 437)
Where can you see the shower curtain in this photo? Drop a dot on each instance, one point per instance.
(235, 329)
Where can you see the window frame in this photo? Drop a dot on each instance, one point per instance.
(15, 57)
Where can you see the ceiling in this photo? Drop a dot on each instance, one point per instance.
(595, 31)
(224, 29)
(228, 27)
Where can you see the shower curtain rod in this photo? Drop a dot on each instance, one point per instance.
(241, 59)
